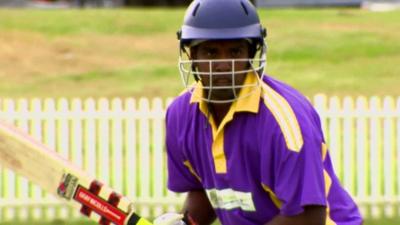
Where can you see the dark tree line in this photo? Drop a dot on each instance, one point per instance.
(159, 2)
(150, 3)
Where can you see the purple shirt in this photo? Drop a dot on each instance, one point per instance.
(267, 157)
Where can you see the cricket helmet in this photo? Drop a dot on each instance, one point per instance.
(207, 20)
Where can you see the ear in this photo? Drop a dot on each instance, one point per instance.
(193, 56)
(252, 49)
(193, 53)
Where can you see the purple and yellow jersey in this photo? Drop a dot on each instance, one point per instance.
(267, 157)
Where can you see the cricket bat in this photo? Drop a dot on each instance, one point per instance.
(38, 163)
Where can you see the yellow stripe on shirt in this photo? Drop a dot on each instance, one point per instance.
(328, 184)
(285, 117)
(190, 167)
(272, 195)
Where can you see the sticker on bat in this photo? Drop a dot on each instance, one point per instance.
(67, 186)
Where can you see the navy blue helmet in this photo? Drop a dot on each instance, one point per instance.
(221, 19)
(210, 20)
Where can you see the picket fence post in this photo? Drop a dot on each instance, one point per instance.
(361, 150)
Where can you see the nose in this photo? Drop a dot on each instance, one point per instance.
(222, 66)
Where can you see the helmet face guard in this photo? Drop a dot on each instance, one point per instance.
(211, 20)
(190, 74)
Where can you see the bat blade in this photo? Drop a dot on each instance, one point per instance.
(58, 176)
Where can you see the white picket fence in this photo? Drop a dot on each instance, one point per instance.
(120, 141)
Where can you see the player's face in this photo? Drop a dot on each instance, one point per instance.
(219, 68)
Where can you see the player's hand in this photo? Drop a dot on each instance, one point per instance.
(169, 219)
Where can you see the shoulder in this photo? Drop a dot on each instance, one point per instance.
(180, 111)
(296, 117)
(179, 105)
(301, 106)
(282, 92)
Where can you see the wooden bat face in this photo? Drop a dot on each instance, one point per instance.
(43, 166)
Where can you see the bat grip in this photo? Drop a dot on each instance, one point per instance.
(135, 219)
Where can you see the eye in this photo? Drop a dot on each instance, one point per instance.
(210, 53)
(236, 52)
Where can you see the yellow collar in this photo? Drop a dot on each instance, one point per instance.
(248, 99)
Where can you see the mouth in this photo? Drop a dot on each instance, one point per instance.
(222, 82)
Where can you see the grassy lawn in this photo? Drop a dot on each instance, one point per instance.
(95, 53)
(133, 53)
(394, 221)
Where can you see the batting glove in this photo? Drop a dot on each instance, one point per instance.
(169, 219)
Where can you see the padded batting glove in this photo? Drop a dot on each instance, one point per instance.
(169, 219)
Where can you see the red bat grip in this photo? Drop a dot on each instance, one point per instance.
(103, 208)
(94, 188)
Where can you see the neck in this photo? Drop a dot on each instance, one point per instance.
(219, 111)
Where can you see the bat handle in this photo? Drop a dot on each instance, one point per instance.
(135, 219)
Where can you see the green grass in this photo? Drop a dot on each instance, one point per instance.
(133, 52)
(394, 221)
(56, 222)
(101, 22)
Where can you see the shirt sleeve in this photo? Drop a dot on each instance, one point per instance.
(180, 176)
(295, 177)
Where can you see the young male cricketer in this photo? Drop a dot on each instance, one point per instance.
(247, 148)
